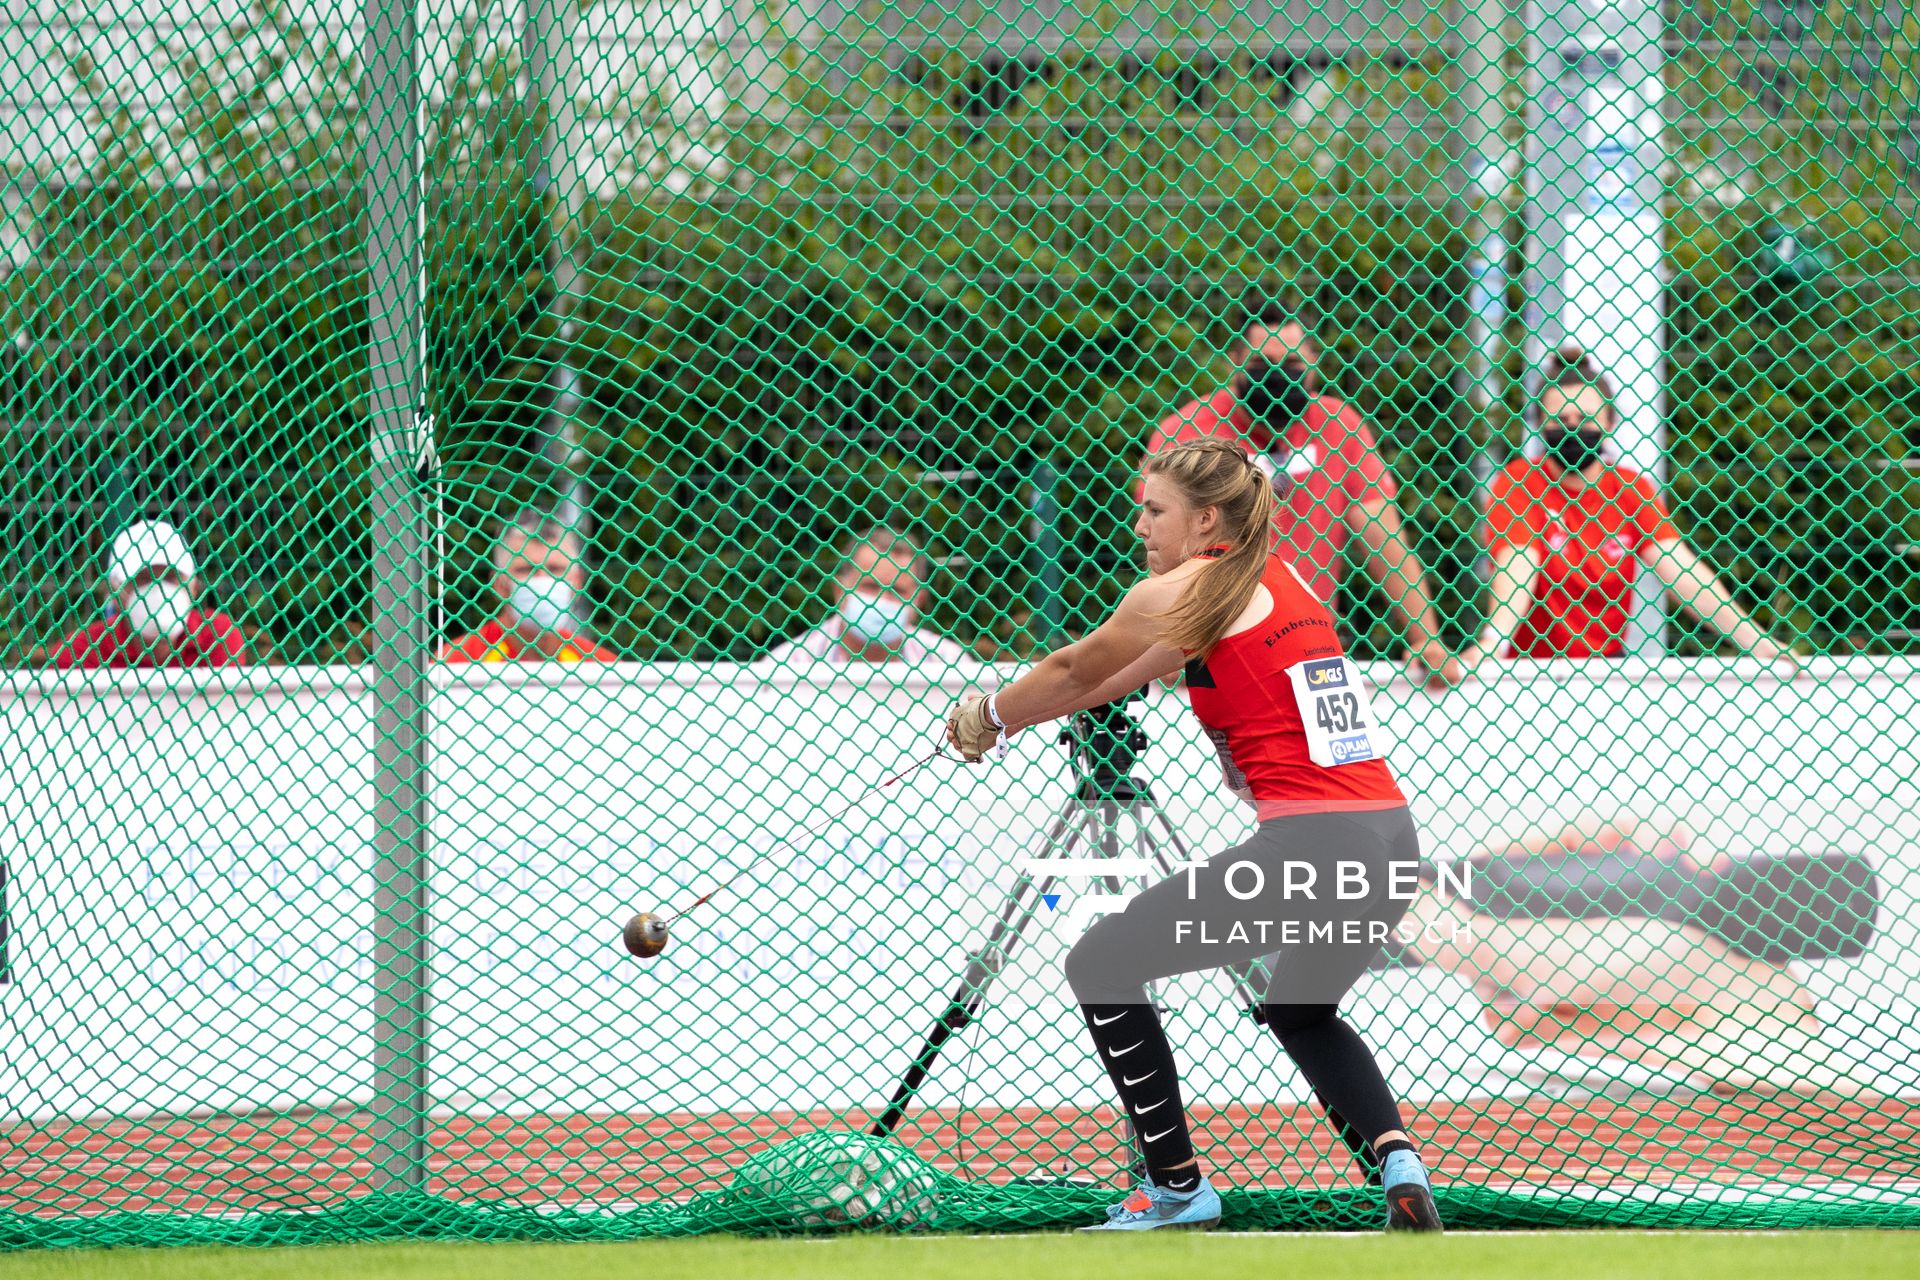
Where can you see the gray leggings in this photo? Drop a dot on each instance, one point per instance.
(1310, 893)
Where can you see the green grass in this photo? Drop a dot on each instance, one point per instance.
(1571, 1256)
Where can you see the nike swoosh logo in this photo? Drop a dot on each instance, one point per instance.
(1150, 1075)
(1101, 1022)
(1170, 1128)
(1143, 1110)
(1117, 1053)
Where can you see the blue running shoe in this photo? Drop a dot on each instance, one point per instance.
(1410, 1205)
(1149, 1208)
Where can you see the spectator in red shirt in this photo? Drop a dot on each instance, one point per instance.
(151, 616)
(1327, 474)
(1568, 531)
(540, 576)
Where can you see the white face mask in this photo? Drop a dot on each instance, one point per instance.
(545, 601)
(881, 620)
(158, 610)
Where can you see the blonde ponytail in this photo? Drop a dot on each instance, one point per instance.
(1217, 473)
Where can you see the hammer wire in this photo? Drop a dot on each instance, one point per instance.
(850, 806)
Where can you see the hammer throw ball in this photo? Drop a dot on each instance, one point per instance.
(645, 935)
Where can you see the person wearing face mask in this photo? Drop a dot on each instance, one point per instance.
(1327, 475)
(1568, 531)
(150, 615)
(879, 598)
(540, 579)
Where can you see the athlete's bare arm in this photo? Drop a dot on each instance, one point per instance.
(1123, 653)
(1157, 663)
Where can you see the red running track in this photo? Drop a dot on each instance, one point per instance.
(318, 1159)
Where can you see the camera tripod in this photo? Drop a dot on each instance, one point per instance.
(1103, 746)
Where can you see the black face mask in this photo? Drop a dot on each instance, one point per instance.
(1276, 394)
(1574, 449)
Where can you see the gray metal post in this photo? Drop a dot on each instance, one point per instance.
(1486, 185)
(549, 50)
(1046, 550)
(1595, 271)
(1552, 184)
(402, 532)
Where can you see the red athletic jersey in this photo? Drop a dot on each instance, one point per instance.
(1244, 700)
(1589, 546)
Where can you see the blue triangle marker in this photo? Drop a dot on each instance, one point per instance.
(1051, 899)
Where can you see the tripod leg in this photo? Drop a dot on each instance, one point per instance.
(983, 966)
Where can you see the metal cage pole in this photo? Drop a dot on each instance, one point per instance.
(1594, 262)
(402, 468)
(549, 51)
(1484, 120)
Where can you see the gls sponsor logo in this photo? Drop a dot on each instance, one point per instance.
(1327, 673)
(1356, 746)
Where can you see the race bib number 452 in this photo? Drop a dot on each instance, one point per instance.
(1332, 697)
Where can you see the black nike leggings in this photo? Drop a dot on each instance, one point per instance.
(1313, 894)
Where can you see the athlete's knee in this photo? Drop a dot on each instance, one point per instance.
(1286, 1019)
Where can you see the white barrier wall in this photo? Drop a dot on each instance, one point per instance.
(188, 890)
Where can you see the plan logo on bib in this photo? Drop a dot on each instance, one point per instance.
(1352, 748)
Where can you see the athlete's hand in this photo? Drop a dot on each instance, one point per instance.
(971, 730)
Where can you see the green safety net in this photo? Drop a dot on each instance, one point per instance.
(454, 453)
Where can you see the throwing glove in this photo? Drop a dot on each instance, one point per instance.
(972, 731)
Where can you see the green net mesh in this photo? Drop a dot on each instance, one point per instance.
(481, 471)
